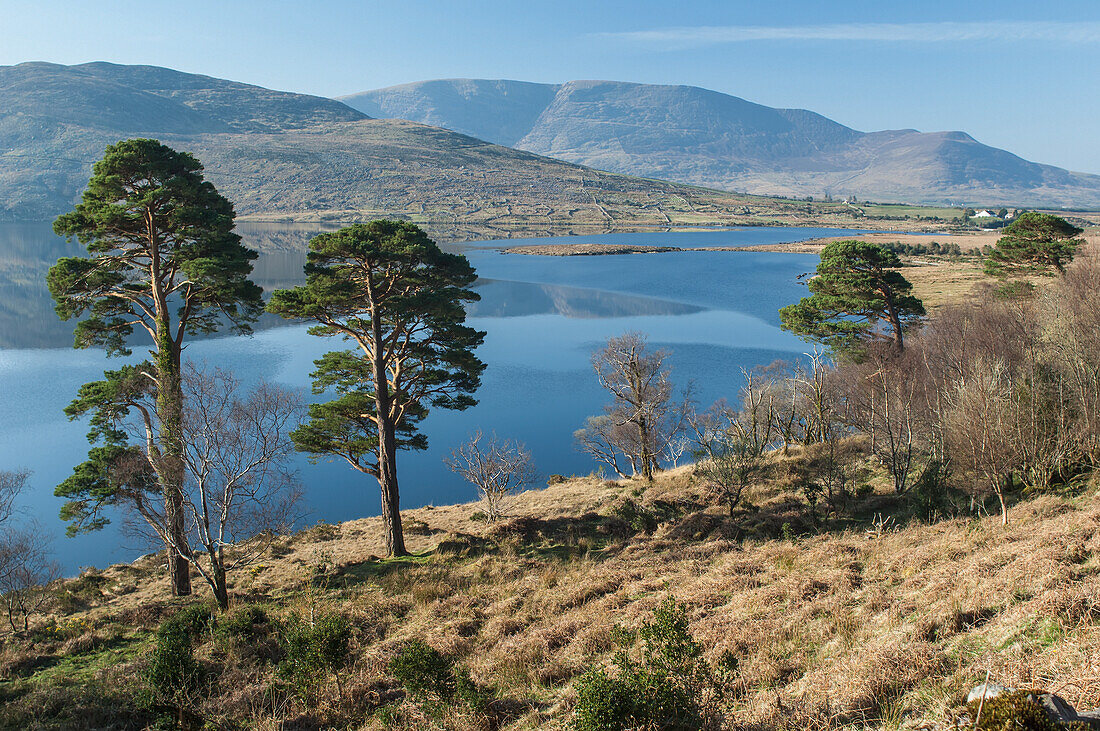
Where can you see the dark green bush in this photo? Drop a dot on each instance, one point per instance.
(427, 674)
(638, 517)
(313, 650)
(243, 622)
(193, 620)
(173, 672)
(635, 698)
(932, 498)
(423, 670)
(666, 687)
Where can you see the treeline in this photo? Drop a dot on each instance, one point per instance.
(934, 248)
(985, 398)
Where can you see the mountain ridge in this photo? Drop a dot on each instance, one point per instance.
(702, 137)
(285, 156)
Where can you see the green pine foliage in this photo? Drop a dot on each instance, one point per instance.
(399, 300)
(1035, 243)
(856, 287)
(154, 228)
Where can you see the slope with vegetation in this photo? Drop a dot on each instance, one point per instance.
(284, 156)
(853, 624)
(834, 560)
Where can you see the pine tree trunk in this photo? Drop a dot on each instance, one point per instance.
(387, 445)
(170, 469)
(387, 481)
(170, 413)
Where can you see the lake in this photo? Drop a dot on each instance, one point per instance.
(715, 311)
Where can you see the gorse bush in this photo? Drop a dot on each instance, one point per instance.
(429, 675)
(637, 516)
(312, 650)
(193, 620)
(243, 622)
(173, 672)
(669, 686)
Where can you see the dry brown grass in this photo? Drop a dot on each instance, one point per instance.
(831, 630)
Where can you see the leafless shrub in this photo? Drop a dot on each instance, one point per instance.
(980, 427)
(25, 565)
(239, 488)
(731, 458)
(498, 468)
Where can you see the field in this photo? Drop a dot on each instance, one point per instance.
(858, 625)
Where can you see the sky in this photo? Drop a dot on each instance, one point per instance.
(1023, 76)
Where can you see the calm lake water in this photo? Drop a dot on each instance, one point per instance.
(716, 312)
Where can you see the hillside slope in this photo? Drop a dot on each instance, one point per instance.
(279, 155)
(839, 629)
(702, 137)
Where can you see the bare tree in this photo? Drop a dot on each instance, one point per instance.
(820, 402)
(887, 396)
(236, 485)
(641, 387)
(25, 565)
(730, 460)
(601, 438)
(1070, 314)
(498, 468)
(239, 488)
(980, 429)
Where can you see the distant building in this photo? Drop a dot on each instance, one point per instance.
(984, 214)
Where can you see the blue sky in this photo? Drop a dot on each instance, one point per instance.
(1022, 76)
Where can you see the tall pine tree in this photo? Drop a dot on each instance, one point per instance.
(856, 287)
(163, 258)
(386, 288)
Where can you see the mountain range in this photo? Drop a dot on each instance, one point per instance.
(279, 155)
(492, 153)
(701, 137)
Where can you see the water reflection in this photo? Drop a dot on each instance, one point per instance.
(543, 316)
(27, 318)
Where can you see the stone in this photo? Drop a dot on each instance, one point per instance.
(989, 690)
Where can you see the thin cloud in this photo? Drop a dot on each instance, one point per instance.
(947, 32)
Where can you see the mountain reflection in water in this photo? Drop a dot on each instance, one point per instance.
(715, 311)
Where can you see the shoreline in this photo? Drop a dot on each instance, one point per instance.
(967, 242)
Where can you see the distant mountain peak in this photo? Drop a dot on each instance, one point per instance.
(692, 135)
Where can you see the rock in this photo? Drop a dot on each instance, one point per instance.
(1092, 718)
(989, 690)
(1056, 708)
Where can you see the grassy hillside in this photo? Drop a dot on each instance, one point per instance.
(847, 626)
(279, 155)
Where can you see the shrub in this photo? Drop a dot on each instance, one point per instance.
(313, 650)
(428, 674)
(242, 622)
(192, 620)
(173, 672)
(667, 687)
(932, 497)
(636, 516)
